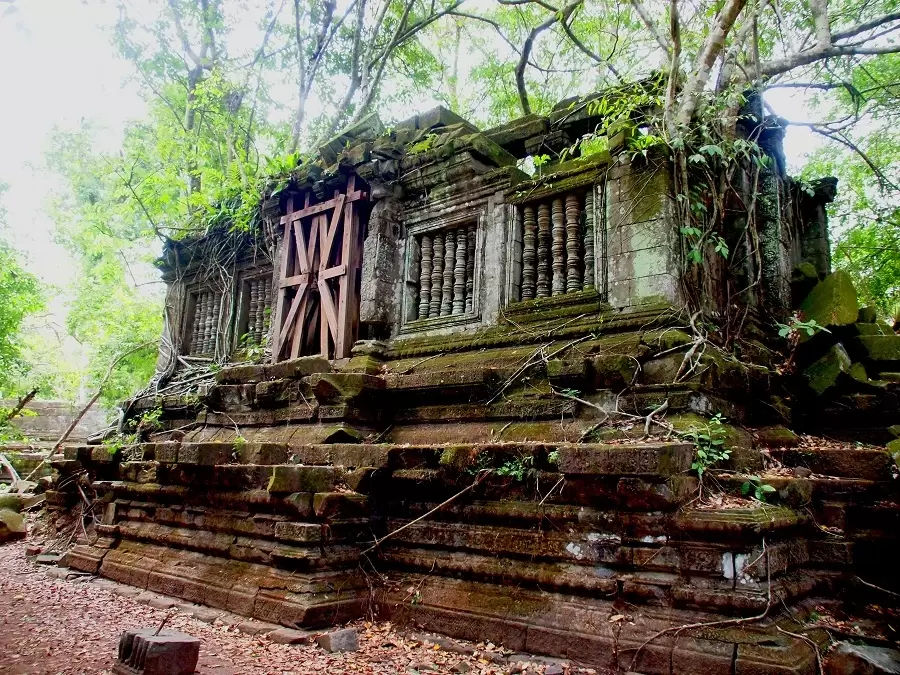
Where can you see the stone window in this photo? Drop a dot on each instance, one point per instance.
(254, 309)
(203, 311)
(442, 270)
(557, 243)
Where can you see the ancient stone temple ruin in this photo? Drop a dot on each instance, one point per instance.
(418, 320)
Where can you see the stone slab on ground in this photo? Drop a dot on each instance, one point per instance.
(150, 651)
(344, 640)
(290, 636)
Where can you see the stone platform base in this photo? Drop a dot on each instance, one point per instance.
(293, 599)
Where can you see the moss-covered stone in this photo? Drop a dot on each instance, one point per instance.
(832, 302)
(291, 478)
(12, 525)
(874, 328)
(880, 347)
(665, 339)
(823, 374)
(776, 437)
(867, 315)
(12, 502)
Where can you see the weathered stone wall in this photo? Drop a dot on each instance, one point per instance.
(51, 418)
(642, 244)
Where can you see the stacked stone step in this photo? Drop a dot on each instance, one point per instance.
(610, 525)
(241, 528)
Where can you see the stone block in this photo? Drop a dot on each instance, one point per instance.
(289, 636)
(301, 503)
(151, 652)
(832, 302)
(292, 478)
(262, 453)
(301, 533)
(167, 453)
(852, 659)
(206, 454)
(12, 525)
(297, 368)
(345, 640)
(881, 348)
(276, 392)
(659, 459)
(336, 388)
(241, 374)
(776, 437)
(823, 374)
(343, 504)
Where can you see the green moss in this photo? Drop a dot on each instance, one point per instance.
(824, 373)
(832, 302)
(881, 347)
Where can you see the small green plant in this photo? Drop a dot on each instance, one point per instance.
(709, 444)
(539, 162)
(239, 444)
(553, 458)
(793, 331)
(697, 239)
(517, 468)
(424, 145)
(754, 485)
(253, 350)
(795, 325)
(150, 420)
(119, 442)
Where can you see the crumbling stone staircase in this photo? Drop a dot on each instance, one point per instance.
(597, 551)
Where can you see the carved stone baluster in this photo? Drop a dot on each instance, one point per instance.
(543, 252)
(459, 273)
(559, 247)
(264, 306)
(263, 285)
(195, 325)
(252, 308)
(210, 340)
(201, 323)
(573, 244)
(449, 261)
(437, 275)
(470, 268)
(589, 239)
(425, 276)
(529, 255)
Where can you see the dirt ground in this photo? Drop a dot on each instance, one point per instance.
(51, 625)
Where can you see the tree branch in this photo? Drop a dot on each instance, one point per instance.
(648, 22)
(712, 47)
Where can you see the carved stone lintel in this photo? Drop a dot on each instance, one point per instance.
(425, 276)
(588, 217)
(529, 254)
(437, 275)
(543, 252)
(559, 247)
(449, 262)
(573, 245)
(459, 273)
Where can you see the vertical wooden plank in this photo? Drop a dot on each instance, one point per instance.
(281, 292)
(347, 307)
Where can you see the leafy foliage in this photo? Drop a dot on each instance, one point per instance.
(20, 296)
(709, 444)
(755, 487)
